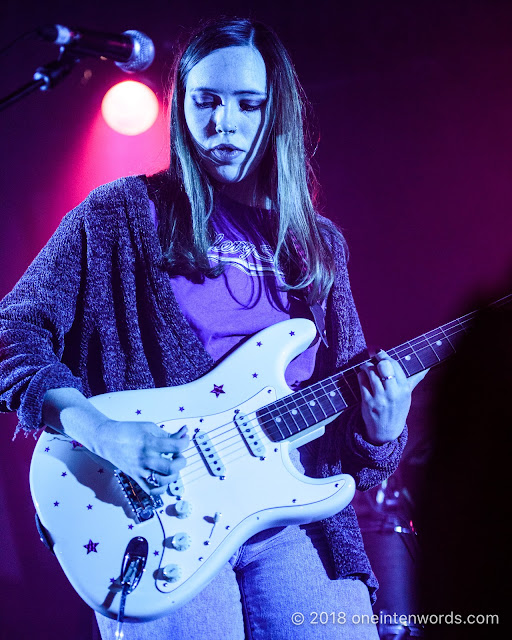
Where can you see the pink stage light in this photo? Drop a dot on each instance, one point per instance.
(130, 108)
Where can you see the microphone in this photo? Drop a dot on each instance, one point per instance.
(131, 50)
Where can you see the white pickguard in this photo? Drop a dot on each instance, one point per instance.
(81, 504)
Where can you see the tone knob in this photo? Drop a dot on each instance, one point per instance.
(183, 508)
(172, 572)
(181, 541)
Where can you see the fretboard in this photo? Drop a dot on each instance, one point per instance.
(328, 398)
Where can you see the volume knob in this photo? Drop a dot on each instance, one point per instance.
(172, 572)
(181, 541)
(183, 508)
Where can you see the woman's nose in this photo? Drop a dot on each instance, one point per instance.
(225, 119)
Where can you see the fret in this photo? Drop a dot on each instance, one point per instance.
(283, 419)
(268, 424)
(313, 405)
(295, 410)
(333, 394)
(409, 361)
(345, 389)
(304, 407)
(425, 353)
(440, 343)
(454, 330)
(350, 386)
(324, 402)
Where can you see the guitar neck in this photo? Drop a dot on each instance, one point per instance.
(333, 395)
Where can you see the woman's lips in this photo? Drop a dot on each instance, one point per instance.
(225, 153)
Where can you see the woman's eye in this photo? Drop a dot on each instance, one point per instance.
(244, 106)
(205, 105)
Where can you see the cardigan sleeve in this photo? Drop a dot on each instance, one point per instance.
(34, 319)
(344, 448)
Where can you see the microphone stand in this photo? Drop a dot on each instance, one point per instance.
(46, 77)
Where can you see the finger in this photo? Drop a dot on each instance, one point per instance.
(391, 366)
(152, 482)
(386, 372)
(172, 443)
(364, 386)
(163, 466)
(374, 383)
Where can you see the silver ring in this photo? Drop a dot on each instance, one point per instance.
(387, 378)
(151, 480)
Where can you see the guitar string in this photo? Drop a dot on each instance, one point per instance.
(400, 352)
(303, 404)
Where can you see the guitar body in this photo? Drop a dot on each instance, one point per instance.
(237, 482)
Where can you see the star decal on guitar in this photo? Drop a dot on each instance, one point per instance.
(217, 390)
(91, 547)
(75, 444)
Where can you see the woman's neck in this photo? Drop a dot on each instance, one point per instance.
(246, 192)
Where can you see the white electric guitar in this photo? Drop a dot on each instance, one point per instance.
(124, 550)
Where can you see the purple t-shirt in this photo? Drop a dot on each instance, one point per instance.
(245, 299)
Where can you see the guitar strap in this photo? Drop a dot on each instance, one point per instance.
(318, 313)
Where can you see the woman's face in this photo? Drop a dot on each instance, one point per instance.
(225, 97)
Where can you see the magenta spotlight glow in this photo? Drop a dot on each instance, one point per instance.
(130, 108)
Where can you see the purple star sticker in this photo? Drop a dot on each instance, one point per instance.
(47, 449)
(254, 375)
(56, 504)
(138, 412)
(217, 390)
(89, 507)
(156, 553)
(130, 526)
(91, 547)
(292, 333)
(63, 474)
(182, 408)
(259, 344)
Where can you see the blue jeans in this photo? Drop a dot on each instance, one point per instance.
(276, 577)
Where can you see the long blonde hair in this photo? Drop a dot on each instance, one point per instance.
(184, 192)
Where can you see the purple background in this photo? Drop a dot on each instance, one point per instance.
(413, 101)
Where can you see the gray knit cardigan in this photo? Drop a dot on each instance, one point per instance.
(95, 311)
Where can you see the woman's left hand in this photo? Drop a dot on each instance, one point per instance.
(386, 397)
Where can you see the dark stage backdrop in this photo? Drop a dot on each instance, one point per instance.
(413, 103)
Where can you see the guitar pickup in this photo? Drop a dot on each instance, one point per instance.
(248, 433)
(209, 454)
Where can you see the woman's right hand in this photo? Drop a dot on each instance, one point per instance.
(150, 456)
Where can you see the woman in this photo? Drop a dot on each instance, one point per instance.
(151, 281)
